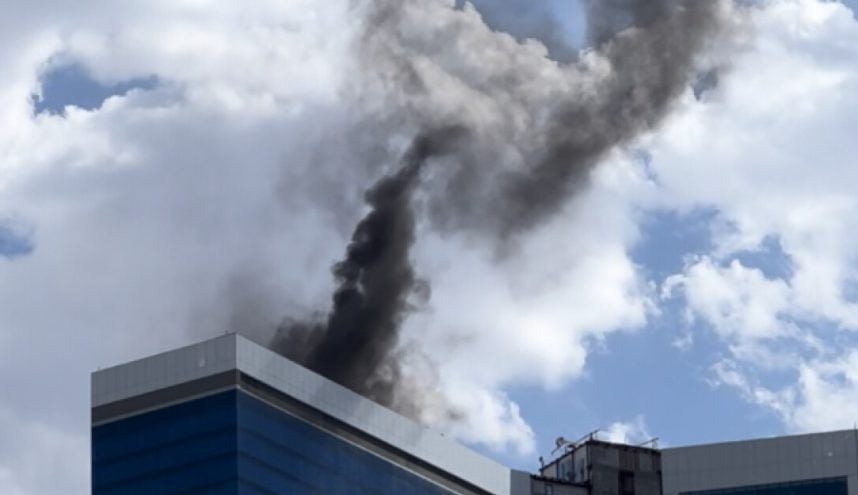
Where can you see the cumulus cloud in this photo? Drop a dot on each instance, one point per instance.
(743, 306)
(821, 398)
(217, 199)
(537, 131)
(488, 417)
(151, 210)
(540, 318)
(825, 395)
(729, 373)
(770, 150)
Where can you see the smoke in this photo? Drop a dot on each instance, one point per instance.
(356, 345)
(524, 130)
(651, 63)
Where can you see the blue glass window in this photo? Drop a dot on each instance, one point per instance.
(234, 443)
(283, 454)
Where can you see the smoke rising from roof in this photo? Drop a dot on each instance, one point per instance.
(524, 132)
(374, 282)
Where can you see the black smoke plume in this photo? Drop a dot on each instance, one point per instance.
(356, 345)
(646, 52)
(651, 60)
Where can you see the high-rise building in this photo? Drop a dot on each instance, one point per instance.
(227, 416)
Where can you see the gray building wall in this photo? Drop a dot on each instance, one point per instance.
(613, 465)
(758, 462)
(609, 468)
(519, 482)
(541, 486)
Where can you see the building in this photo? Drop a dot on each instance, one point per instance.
(595, 467)
(814, 464)
(228, 416)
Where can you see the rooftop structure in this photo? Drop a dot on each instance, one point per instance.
(604, 468)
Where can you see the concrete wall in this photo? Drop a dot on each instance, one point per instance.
(757, 462)
(548, 487)
(611, 464)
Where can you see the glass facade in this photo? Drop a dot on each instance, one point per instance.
(828, 486)
(234, 443)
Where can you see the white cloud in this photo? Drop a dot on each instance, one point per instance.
(483, 416)
(744, 307)
(822, 398)
(571, 282)
(529, 319)
(737, 301)
(178, 213)
(684, 342)
(218, 201)
(826, 395)
(728, 373)
(772, 152)
(633, 432)
(37, 457)
(153, 210)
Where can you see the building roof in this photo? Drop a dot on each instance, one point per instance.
(794, 438)
(233, 354)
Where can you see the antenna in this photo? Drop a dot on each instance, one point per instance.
(561, 443)
(589, 436)
(651, 443)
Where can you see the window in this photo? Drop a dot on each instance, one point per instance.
(627, 483)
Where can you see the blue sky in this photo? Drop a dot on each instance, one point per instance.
(72, 85)
(643, 372)
(702, 288)
(15, 239)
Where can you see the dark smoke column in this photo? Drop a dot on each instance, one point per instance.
(356, 346)
(651, 47)
(644, 54)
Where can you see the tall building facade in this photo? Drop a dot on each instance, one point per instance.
(228, 416)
